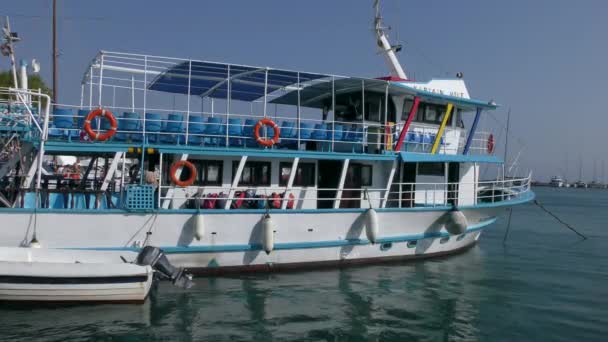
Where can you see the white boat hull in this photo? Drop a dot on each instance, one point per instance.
(234, 241)
(42, 275)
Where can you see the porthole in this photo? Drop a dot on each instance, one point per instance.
(386, 246)
(460, 237)
(411, 244)
(444, 239)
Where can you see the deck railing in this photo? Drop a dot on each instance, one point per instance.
(236, 130)
(401, 195)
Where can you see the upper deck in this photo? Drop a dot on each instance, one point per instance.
(207, 107)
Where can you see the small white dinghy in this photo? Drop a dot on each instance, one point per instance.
(55, 275)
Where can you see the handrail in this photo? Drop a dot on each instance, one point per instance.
(43, 130)
(418, 194)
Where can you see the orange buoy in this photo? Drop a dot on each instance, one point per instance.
(176, 166)
(104, 114)
(262, 141)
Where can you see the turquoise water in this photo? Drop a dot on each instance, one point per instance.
(544, 285)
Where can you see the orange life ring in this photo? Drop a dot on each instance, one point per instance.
(262, 141)
(490, 143)
(104, 114)
(176, 166)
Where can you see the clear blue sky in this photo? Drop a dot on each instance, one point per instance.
(546, 59)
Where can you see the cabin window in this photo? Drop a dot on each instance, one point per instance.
(432, 113)
(431, 169)
(358, 175)
(304, 177)
(209, 172)
(254, 173)
(366, 175)
(407, 107)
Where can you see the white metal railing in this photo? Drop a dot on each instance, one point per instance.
(401, 195)
(25, 100)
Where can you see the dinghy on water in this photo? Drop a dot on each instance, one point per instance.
(48, 275)
(54, 275)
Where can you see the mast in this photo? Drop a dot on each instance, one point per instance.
(385, 46)
(504, 160)
(9, 39)
(55, 52)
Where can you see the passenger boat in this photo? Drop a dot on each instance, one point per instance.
(233, 168)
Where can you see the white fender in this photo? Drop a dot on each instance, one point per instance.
(268, 238)
(372, 226)
(455, 222)
(199, 226)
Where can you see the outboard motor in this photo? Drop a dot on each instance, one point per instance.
(154, 257)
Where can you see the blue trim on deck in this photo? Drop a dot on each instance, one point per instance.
(410, 157)
(60, 146)
(296, 245)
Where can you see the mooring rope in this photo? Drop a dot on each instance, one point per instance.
(559, 220)
(504, 239)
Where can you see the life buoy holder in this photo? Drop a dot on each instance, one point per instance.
(261, 140)
(176, 166)
(104, 114)
(490, 143)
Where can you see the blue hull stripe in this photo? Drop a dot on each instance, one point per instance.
(296, 245)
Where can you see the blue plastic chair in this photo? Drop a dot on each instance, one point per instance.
(153, 127)
(248, 133)
(173, 128)
(289, 134)
(320, 132)
(235, 132)
(306, 130)
(338, 132)
(213, 130)
(63, 118)
(195, 129)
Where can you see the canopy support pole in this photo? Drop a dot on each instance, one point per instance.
(446, 117)
(228, 96)
(188, 106)
(333, 109)
(389, 184)
(406, 127)
(299, 113)
(292, 177)
(111, 171)
(341, 184)
(467, 146)
(171, 191)
(235, 181)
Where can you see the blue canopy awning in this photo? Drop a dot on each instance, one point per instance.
(209, 79)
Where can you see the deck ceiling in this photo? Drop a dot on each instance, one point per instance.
(210, 79)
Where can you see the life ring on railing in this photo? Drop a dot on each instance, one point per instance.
(104, 114)
(490, 143)
(262, 141)
(176, 166)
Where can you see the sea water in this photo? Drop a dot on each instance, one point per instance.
(544, 284)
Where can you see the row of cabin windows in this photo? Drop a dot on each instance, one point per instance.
(255, 173)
